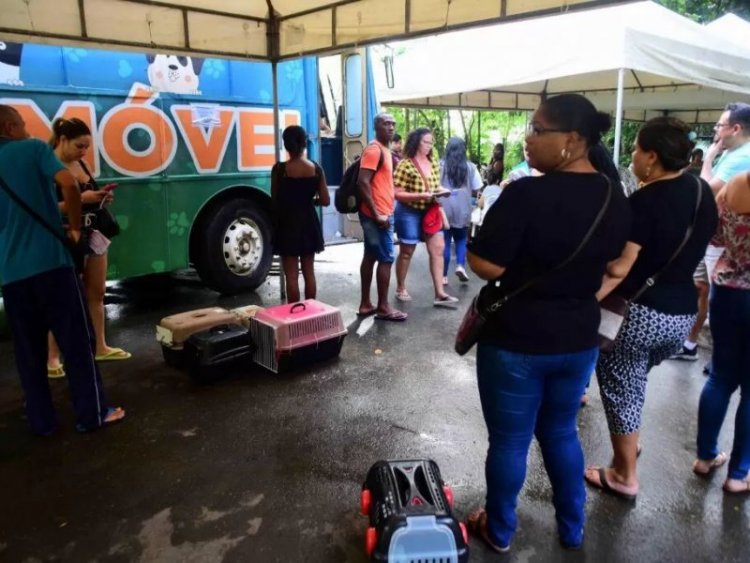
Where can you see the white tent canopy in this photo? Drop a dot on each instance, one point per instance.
(666, 63)
(260, 29)
(732, 28)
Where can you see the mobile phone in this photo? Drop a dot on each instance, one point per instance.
(109, 187)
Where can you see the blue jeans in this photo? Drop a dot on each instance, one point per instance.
(460, 236)
(730, 327)
(523, 396)
(378, 241)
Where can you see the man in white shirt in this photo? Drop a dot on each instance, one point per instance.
(732, 136)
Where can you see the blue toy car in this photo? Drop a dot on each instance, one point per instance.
(411, 517)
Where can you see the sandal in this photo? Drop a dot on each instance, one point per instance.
(476, 523)
(55, 372)
(403, 296)
(713, 464)
(113, 416)
(113, 354)
(447, 301)
(743, 491)
(604, 485)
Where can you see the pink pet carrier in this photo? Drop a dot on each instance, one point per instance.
(296, 335)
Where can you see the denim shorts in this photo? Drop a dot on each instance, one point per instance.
(408, 224)
(378, 242)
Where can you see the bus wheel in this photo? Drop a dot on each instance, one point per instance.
(233, 252)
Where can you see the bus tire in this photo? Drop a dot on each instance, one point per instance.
(233, 250)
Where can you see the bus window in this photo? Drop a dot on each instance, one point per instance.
(354, 98)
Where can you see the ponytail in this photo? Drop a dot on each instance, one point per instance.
(68, 128)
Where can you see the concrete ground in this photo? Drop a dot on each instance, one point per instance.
(265, 468)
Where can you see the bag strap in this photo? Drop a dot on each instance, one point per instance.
(86, 170)
(650, 282)
(500, 302)
(27, 208)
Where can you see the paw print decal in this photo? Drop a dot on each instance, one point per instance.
(178, 224)
(213, 68)
(75, 54)
(124, 69)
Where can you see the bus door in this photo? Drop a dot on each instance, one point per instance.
(356, 120)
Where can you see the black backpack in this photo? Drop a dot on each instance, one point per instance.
(347, 197)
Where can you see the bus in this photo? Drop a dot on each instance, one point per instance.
(190, 143)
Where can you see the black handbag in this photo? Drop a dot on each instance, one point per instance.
(614, 308)
(476, 316)
(100, 219)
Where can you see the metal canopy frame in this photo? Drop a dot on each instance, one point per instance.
(272, 30)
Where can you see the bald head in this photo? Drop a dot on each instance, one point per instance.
(11, 123)
(385, 126)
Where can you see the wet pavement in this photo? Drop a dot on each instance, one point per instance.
(266, 468)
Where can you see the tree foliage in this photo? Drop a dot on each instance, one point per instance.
(704, 11)
(508, 127)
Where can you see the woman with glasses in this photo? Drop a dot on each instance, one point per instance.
(664, 208)
(536, 354)
(417, 183)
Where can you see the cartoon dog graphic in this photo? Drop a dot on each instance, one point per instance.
(175, 74)
(10, 63)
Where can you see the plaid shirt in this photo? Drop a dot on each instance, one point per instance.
(408, 178)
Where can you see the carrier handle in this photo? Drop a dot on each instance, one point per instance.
(302, 305)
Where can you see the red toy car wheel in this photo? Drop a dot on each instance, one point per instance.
(365, 502)
(371, 540)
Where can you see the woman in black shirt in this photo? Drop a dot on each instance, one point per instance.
(538, 351)
(663, 209)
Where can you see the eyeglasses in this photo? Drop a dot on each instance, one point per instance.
(720, 125)
(534, 130)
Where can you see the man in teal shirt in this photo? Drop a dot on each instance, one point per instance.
(41, 290)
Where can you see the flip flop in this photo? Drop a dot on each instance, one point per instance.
(395, 316)
(114, 416)
(365, 314)
(113, 354)
(476, 523)
(604, 485)
(744, 491)
(714, 463)
(403, 296)
(56, 373)
(448, 301)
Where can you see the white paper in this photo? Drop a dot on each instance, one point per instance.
(98, 243)
(205, 115)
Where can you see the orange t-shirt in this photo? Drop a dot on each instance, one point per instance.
(382, 181)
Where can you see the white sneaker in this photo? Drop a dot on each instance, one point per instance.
(461, 274)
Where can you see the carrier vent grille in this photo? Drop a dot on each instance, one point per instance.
(264, 338)
(321, 326)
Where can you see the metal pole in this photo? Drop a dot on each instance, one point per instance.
(618, 116)
(277, 149)
(479, 136)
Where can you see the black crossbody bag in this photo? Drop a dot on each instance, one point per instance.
(78, 250)
(478, 313)
(615, 309)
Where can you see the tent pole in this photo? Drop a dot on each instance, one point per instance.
(277, 149)
(618, 116)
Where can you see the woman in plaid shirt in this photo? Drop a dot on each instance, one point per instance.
(417, 183)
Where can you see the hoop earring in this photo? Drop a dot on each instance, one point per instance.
(565, 154)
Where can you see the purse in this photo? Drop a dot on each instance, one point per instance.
(432, 220)
(477, 314)
(100, 219)
(614, 308)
